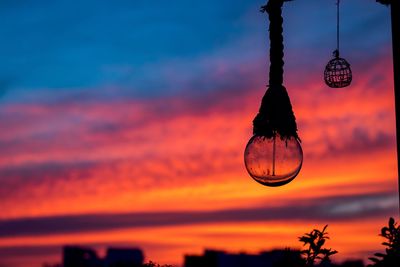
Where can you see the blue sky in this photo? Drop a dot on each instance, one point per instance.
(138, 44)
(61, 44)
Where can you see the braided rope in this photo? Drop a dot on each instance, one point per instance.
(275, 115)
(274, 10)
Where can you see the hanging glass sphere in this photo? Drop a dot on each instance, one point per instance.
(338, 73)
(273, 161)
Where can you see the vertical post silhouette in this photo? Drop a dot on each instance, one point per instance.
(395, 13)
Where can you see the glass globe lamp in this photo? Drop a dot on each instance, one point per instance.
(273, 161)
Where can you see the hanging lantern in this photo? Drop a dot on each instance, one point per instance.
(337, 72)
(273, 156)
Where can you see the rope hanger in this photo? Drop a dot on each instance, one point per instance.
(337, 72)
(337, 24)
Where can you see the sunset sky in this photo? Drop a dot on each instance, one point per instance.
(123, 123)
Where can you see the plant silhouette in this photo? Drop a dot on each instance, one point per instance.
(315, 252)
(392, 257)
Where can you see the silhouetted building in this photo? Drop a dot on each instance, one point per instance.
(52, 265)
(124, 257)
(213, 258)
(80, 257)
(273, 258)
(74, 256)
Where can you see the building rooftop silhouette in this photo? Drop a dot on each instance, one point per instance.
(213, 258)
(75, 256)
(273, 258)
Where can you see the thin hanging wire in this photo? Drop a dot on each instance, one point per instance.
(337, 27)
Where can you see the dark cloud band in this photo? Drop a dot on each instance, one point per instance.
(322, 209)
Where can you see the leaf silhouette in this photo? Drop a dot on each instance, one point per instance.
(392, 243)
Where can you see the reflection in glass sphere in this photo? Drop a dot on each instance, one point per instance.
(273, 161)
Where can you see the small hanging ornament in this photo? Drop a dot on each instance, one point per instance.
(337, 72)
(273, 156)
